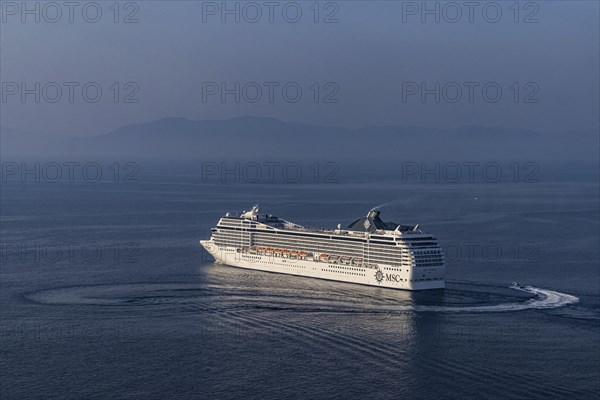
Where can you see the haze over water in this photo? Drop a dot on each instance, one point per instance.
(127, 129)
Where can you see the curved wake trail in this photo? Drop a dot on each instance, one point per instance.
(153, 294)
(545, 299)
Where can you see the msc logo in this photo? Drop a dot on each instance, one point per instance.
(379, 276)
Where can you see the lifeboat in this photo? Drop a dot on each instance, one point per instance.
(277, 251)
(260, 248)
(293, 252)
(303, 253)
(285, 251)
(324, 256)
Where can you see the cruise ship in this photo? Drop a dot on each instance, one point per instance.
(368, 252)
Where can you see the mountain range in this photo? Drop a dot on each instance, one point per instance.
(258, 137)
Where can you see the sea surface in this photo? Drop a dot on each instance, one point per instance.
(106, 293)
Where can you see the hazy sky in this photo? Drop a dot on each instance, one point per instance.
(357, 63)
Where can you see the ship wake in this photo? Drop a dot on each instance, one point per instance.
(544, 299)
(262, 297)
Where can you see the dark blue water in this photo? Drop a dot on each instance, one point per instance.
(106, 294)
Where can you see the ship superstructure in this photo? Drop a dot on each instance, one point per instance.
(369, 251)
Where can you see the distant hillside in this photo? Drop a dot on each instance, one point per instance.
(252, 137)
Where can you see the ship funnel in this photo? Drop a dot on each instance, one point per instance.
(253, 213)
(373, 213)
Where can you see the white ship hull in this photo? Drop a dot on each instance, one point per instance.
(388, 276)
